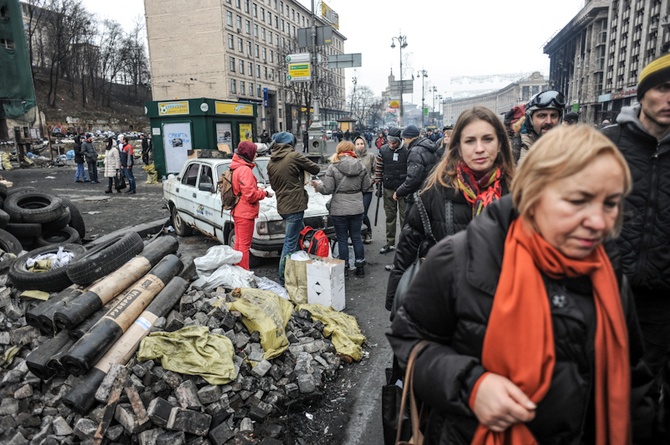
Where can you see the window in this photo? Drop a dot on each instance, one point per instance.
(262, 14)
(258, 71)
(206, 176)
(191, 175)
(276, 22)
(255, 30)
(263, 34)
(247, 26)
(238, 22)
(257, 52)
(240, 44)
(272, 56)
(255, 7)
(251, 89)
(231, 41)
(265, 72)
(269, 18)
(232, 64)
(282, 25)
(293, 14)
(258, 90)
(251, 69)
(249, 49)
(265, 54)
(241, 66)
(237, 3)
(229, 18)
(246, 6)
(233, 86)
(270, 37)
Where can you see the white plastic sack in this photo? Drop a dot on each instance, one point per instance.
(226, 276)
(300, 255)
(215, 257)
(58, 259)
(265, 283)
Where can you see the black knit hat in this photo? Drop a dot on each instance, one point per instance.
(655, 73)
(394, 132)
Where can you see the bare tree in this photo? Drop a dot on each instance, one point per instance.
(111, 58)
(365, 107)
(34, 33)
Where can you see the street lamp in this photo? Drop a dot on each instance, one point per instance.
(423, 74)
(402, 43)
(433, 90)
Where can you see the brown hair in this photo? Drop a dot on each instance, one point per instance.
(341, 148)
(562, 152)
(444, 172)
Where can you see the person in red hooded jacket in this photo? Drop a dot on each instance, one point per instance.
(246, 187)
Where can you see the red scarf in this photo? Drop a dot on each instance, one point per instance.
(479, 192)
(519, 340)
(346, 153)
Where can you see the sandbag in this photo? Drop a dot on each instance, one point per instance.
(266, 313)
(342, 328)
(295, 277)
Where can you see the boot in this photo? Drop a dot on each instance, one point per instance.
(360, 270)
(108, 190)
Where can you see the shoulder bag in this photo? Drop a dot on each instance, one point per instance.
(429, 241)
(334, 193)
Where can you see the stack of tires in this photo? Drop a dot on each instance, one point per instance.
(31, 219)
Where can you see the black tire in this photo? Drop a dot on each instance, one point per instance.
(34, 207)
(9, 243)
(180, 227)
(4, 219)
(76, 220)
(27, 243)
(3, 190)
(49, 281)
(57, 224)
(64, 235)
(105, 258)
(24, 230)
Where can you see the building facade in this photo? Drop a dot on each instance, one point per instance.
(500, 101)
(597, 57)
(236, 50)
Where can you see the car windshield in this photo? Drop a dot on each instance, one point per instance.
(260, 172)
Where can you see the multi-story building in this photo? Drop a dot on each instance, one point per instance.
(236, 50)
(597, 57)
(499, 101)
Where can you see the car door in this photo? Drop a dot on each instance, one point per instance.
(208, 203)
(185, 192)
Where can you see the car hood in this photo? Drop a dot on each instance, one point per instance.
(316, 205)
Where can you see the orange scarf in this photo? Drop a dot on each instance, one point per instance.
(519, 340)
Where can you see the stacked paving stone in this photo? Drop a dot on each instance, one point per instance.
(144, 403)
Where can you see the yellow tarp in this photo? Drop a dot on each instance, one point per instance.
(152, 174)
(346, 335)
(192, 350)
(6, 163)
(266, 313)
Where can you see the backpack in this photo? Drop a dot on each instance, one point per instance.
(314, 241)
(228, 197)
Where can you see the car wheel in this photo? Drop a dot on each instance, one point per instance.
(254, 261)
(105, 258)
(34, 207)
(180, 227)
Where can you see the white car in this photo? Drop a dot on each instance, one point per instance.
(195, 203)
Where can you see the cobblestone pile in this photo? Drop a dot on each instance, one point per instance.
(144, 403)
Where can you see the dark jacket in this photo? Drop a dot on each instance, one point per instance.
(351, 178)
(78, 155)
(286, 171)
(89, 152)
(449, 304)
(412, 235)
(391, 166)
(420, 162)
(645, 236)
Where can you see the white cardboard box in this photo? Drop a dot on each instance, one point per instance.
(325, 282)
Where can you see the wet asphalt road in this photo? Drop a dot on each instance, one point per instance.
(352, 414)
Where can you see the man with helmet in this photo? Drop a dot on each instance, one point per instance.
(543, 112)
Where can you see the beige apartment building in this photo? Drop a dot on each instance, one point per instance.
(236, 50)
(597, 57)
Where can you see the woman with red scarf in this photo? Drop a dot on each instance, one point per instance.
(475, 171)
(246, 210)
(533, 333)
(346, 179)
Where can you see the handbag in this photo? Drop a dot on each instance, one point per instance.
(413, 269)
(334, 193)
(399, 427)
(119, 180)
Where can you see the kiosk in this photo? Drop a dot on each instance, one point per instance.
(178, 126)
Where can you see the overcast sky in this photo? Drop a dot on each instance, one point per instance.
(447, 38)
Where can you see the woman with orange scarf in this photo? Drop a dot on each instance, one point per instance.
(534, 337)
(476, 170)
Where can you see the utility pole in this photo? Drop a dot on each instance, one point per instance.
(402, 43)
(423, 74)
(315, 130)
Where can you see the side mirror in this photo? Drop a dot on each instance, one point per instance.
(206, 187)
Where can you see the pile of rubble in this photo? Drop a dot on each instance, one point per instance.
(142, 402)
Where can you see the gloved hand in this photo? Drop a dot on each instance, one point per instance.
(379, 192)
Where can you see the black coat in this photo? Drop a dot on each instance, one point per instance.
(449, 304)
(420, 162)
(413, 234)
(645, 237)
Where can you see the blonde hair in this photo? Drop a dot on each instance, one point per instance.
(341, 148)
(562, 152)
(445, 173)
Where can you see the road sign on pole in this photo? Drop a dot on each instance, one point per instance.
(345, 60)
(298, 58)
(299, 72)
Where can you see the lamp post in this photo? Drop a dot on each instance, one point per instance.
(423, 74)
(433, 90)
(402, 43)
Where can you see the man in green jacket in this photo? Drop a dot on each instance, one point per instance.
(286, 170)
